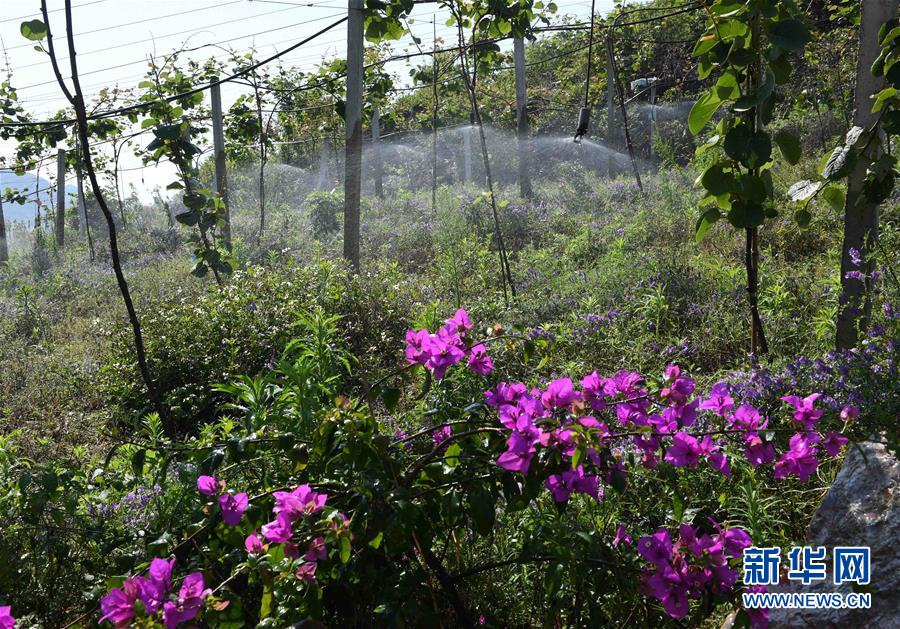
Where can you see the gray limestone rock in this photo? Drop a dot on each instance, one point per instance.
(860, 509)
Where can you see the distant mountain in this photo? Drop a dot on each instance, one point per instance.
(26, 184)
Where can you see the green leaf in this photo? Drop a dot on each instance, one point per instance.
(345, 548)
(35, 30)
(803, 190)
(834, 196)
(737, 142)
(677, 507)
(451, 456)
(702, 111)
(391, 397)
(789, 145)
(790, 34)
(137, 462)
(716, 180)
(760, 150)
(481, 509)
(803, 218)
(705, 223)
(839, 164)
(743, 215)
(750, 101)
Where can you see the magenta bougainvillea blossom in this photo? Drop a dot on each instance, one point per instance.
(447, 347)
(253, 544)
(657, 422)
(6, 618)
(190, 599)
(154, 593)
(805, 411)
(279, 530)
(622, 537)
(690, 566)
(209, 486)
(233, 507)
(291, 508)
(441, 435)
(801, 459)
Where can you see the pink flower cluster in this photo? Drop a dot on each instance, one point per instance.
(231, 505)
(694, 564)
(153, 591)
(290, 508)
(561, 416)
(6, 618)
(438, 352)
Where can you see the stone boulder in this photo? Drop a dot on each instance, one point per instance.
(860, 509)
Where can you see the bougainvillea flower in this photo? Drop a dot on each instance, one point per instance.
(316, 551)
(505, 393)
(279, 530)
(656, 548)
(460, 322)
(118, 605)
(593, 391)
(307, 572)
(833, 442)
(152, 590)
(6, 618)
(736, 540)
(439, 436)
(685, 451)
(800, 460)
(626, 384)
(666, 586)
(717, 460)
(572, 481)
(521, 415)
(253, 544)
(418, 346)
(678, 387)
(191, 597)
(161, 572)
(446, 351)
(209, 486)
(479, 361)
(684, 414)
(634, 412)
(804, 409)
(518, 455)
(757, 451)
(233, 507)
(746, 417)
(559, 394)
(719, 401)
(759, 617)
(622, 537)
(300, 502)
(849, 413)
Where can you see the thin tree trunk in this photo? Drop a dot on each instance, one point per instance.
(262, 164)
(116, 181)
(860, 215)
(77, 100)
(353, 133)
(4, 249)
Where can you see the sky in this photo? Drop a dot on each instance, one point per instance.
(114, 38)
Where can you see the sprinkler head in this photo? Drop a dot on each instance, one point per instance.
(584, 121)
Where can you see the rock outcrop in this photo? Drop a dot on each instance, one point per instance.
(860, 509)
